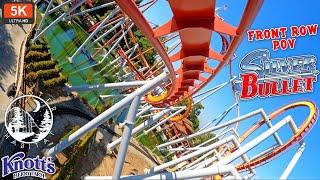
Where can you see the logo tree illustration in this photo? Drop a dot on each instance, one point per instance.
(46, 122)
(17, 123)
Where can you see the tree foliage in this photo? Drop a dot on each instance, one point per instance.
(35, 56)
(36, 66)
(203, 138)
(145, 45)
(42, 74)
(194, 115)
(55, 82)
(38, 47)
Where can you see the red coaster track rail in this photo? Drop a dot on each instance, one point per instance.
(195, 21)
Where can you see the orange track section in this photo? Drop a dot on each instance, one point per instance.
(195, 21)
(186, 113)
(297, 137)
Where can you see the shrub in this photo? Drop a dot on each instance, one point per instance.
(69, 150)
(31, 77)
(38, 47)
(42, 74)
(68, 170)
(101, 108)
(48, 74)
(42, 65)
(35, 56)
(55, 82)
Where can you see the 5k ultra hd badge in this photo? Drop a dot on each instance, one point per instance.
(18, 12)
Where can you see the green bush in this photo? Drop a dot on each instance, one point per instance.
(55, 82)
(68, 170)
(101, 108)
(68, 151)
(42, 74)
(38, 47)
(42, 65)
(48, 74)
(35, 56)
(31, 77)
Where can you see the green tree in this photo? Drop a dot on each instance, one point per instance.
(194, 115)
(145, 45)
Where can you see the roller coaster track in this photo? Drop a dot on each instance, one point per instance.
(191, 19)
(296, 138)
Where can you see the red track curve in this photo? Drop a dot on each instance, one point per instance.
(303, 129)
(195, 21)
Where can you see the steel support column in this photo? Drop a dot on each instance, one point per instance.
(126, 136)
(293, 162)
(193, 154)
(241, 118)
(117, 85)
(141, 127)
(115, 11)
(187, 174)
(116, 108)
(255, 141)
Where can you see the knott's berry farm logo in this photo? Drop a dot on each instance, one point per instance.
(29, 120)
(265, 77)
(20, 166)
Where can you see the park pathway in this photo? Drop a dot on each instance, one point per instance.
(11, 37)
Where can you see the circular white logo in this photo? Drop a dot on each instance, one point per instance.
(28, 119)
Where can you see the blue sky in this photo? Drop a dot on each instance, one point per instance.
(273, 14)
